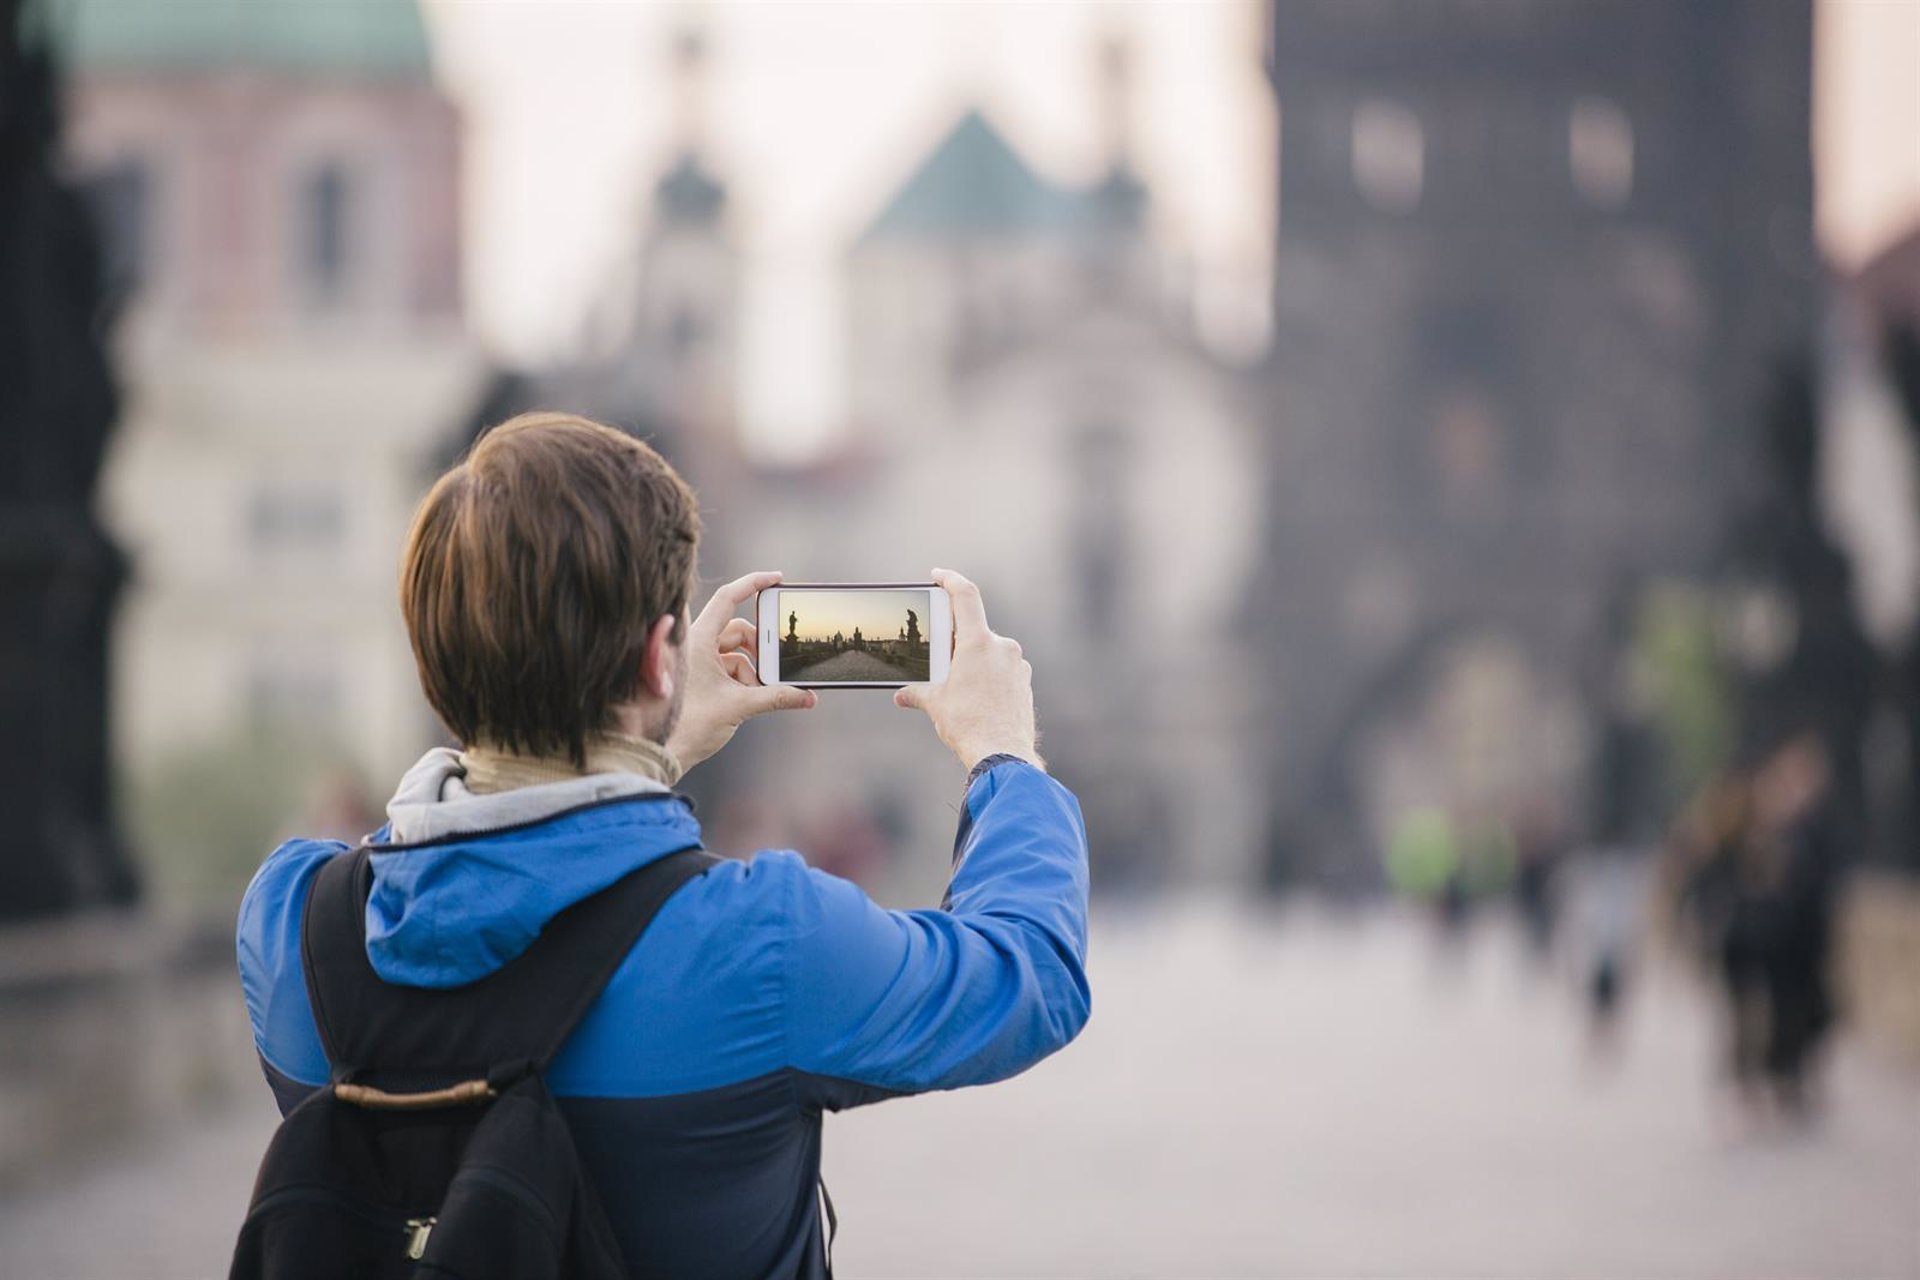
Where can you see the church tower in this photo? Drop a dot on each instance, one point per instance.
(687, 309)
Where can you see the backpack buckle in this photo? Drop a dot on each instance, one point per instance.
(418, 1229)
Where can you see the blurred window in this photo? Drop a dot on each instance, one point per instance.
(326, 205)
(121, 198)
(1389, 155)
(1600, 152)
(307, 519)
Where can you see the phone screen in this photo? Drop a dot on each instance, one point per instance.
(833, 635)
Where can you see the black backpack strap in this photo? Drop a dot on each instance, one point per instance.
(517, 1016)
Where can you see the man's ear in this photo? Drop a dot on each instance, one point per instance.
(658, 664)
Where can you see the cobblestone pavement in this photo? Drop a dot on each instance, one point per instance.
(1289, 1096)
(851, 665)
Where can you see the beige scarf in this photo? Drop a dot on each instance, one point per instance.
(491, 770)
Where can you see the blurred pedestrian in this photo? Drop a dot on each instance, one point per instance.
(1704, 855)
(1713, 851)
(1760, 872)
(1608, 902)
(1424, 864)
(1785, 919)
(1539, 851)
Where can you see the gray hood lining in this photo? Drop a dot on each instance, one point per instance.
(432, 801)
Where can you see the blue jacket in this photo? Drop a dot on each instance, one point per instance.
(765, 993)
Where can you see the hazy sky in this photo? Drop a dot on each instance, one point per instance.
(1866, 124)
(878, 614)
(815, 112)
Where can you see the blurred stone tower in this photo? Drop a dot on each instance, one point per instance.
(1537, 267)
(659, 355)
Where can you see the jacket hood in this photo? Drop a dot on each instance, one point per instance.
(463, 883)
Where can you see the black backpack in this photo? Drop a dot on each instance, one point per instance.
(436, 1150)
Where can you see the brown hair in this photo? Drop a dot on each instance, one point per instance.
(532, 573)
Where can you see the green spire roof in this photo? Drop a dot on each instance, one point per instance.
(974, 182)
(376, 38)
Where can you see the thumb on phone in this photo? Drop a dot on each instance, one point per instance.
(779, 697)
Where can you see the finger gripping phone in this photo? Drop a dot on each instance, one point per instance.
(854, 635)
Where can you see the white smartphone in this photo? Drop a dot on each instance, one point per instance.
(855, 635)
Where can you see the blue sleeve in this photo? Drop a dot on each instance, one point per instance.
(268, 942)
(880, 1003)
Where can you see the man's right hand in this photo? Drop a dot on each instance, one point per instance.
(985, 705)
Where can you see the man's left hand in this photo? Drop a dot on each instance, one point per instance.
(723, 686)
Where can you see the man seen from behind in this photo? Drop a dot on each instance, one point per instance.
(545, 586)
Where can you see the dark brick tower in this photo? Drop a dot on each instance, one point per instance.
(1537, 266)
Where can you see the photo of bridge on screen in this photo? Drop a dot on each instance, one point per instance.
(854, 637)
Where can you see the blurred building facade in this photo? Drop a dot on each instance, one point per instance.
(279, 188)
(1540, 271)
(1029, 401)
(1544, 289)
